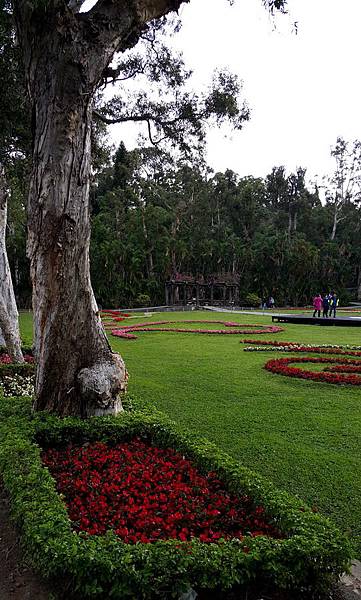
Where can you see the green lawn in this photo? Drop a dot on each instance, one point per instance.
(305, 436)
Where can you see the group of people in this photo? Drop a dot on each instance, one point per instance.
(268, 302)
(328, 303)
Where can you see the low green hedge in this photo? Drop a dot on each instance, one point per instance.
(16, 369)
(311, 555)
(25, 350)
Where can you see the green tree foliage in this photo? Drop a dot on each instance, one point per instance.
(162, 99)
(153, 219)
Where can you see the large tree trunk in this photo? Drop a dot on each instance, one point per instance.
(9, 318)
(65, 55)
(77, 373)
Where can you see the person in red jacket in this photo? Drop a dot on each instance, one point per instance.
(317, 304)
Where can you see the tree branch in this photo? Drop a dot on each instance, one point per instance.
(118, 25)
(123, 119)
(75, 5)
(135, 118)
(143, 10)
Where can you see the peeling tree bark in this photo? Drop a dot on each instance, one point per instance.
(9, 322)
(77, 373)
(65, 54)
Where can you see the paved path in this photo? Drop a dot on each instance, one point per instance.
(262, 313)
(350, 585)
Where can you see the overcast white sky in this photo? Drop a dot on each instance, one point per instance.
(303, 90)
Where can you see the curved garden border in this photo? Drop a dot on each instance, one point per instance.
(311, 554)
(335, 374)
(126, 331)
(281, 366)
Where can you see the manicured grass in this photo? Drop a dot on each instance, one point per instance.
(304, 436)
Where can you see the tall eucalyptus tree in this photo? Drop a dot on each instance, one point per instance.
(66, 55)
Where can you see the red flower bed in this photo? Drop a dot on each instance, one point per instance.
(5, 359)
(153, 326)
(145, 494)
(344, 369)
(281, 366)
(115, 313)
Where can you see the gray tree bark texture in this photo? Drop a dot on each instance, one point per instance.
(9, 318)
(65, 53)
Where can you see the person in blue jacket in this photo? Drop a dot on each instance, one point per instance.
(325, 305)
(333, 304)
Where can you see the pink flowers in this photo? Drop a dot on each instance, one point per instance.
(154, 326)
(123, 334)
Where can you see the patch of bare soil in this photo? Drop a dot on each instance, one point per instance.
(17, 580)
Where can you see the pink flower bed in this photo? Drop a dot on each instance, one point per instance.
(154, 326)
(124, 334)
(5, 359)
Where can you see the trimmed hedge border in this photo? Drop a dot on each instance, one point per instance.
(310, 558)
(25, 350)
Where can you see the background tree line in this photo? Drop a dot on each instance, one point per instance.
(153, 217)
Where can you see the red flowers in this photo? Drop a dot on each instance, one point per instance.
(146, 494)
(329, 375)
(153, 326)
(6, 360)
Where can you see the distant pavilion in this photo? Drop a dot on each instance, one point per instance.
(215, 290)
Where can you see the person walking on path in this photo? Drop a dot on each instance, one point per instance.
(333, 305)
(325, 304)
(317, 304)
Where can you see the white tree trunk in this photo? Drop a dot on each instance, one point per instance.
(335, 223)
(9, 318)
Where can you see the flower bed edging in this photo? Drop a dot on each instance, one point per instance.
(281, 366)
(274, 344)
(127, 331)
(335, 375)
(103, 566)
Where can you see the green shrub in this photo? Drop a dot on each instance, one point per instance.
(346, 298)
(25, 350)
(253, 300)
(142, 300)
(14, 368)
(311, 554)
